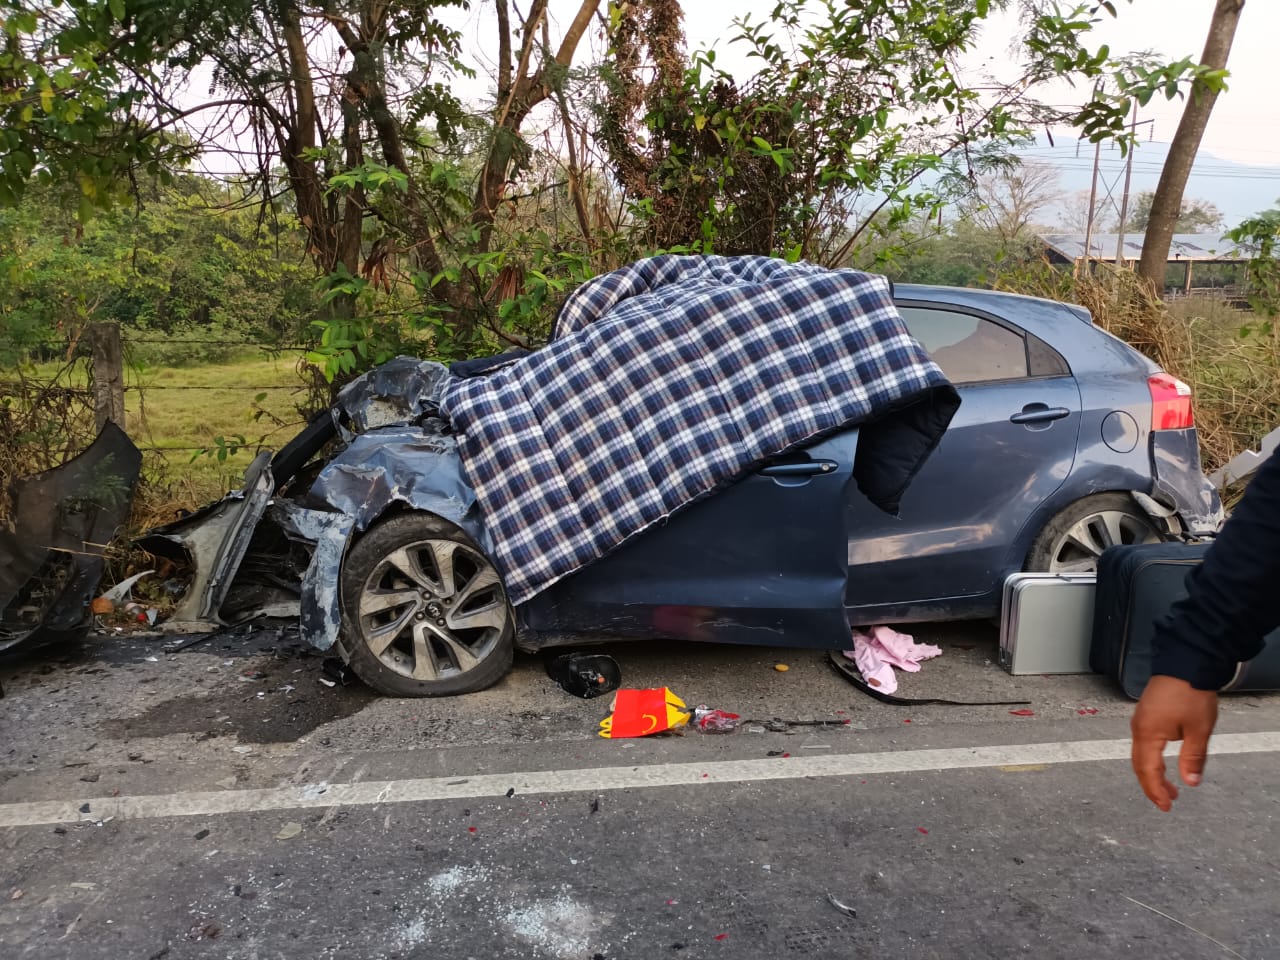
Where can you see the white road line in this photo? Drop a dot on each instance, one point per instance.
(594, 780)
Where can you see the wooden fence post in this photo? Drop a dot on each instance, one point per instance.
(108, 374)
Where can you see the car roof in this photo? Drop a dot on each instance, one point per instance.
(994, 301)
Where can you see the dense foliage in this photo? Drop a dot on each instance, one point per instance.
(191, 272)
(449, 228)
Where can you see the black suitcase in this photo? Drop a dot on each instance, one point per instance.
(1136, 586)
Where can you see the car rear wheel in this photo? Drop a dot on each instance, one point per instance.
(1073, 541)
(424, 613)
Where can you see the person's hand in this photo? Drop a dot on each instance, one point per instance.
(1171, 709)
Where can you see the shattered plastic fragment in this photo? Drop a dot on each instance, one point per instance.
(1023, 712)
(708, 720)
(123, 591)
(848, 911)
(289, 830)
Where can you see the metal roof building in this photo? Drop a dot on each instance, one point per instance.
(1186, 249)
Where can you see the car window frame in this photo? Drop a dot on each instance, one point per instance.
(1008, 325)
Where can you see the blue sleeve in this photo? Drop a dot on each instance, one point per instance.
(1233, 598)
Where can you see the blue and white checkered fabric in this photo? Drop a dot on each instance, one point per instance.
(666, 380)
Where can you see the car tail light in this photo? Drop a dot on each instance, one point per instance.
(1170, 403)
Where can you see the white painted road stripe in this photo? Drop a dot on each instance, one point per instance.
(594, 780)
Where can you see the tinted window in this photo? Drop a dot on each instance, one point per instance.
(1044, 360)
(969, 349)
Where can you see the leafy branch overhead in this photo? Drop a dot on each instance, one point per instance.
(444, 227)
(846, 114)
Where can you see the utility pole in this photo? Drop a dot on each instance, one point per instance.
(1128, 176)
(1093, 197)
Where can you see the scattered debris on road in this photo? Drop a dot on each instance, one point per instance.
(338, 671)
(708, 720)
(52, 550)
(849, 670)
(585, 675)
(847, 910)
(639, 713)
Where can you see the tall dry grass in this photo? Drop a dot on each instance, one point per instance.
(1229, 357)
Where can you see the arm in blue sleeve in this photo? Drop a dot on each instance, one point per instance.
(1233, 597)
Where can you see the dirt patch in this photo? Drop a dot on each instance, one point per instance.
(270, 702)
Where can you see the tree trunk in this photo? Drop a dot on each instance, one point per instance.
(1167, 202)
(523, 92)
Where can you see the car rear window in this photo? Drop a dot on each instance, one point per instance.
(969, 349)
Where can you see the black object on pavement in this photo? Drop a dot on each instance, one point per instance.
(339, 672)
(845, 667)
(585, 675)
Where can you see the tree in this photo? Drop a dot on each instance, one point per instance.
(1166, 205)
(1008, 200)
(1073, 215)
(447, 229)
(1194, 216)
(853, 105)
(79, 85)
(1260, 234)
(193, 262)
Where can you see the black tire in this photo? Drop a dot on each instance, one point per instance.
(424, 613)
(1073, 540)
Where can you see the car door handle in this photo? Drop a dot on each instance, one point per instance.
(808, 468)
(1039, 413)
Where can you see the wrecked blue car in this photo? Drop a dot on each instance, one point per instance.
(721, 449)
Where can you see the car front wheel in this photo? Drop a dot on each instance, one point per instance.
(424, 613)
(1073, 541)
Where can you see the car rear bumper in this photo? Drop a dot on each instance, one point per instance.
(1179, 483)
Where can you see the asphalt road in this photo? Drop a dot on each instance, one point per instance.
(222, 802)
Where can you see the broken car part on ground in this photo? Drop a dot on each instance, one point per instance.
(52, 551)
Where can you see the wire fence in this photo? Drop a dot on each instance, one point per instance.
(51, 408)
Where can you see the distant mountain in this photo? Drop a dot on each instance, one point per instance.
(1239, 190)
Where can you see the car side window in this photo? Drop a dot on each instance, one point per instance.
(969, 349)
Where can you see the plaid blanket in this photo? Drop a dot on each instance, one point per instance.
(671, 378)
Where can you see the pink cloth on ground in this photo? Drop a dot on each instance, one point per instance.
(881, 649)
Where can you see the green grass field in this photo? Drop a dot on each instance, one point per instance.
(175, 413)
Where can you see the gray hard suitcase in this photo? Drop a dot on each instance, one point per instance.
(1137, 584)
(1046, 623)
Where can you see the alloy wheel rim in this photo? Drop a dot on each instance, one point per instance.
(1078, 550)
(432, 610)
